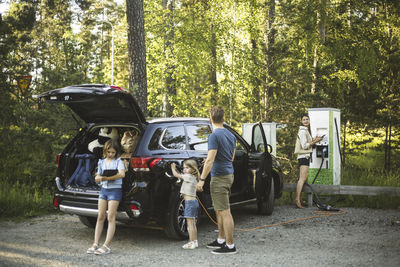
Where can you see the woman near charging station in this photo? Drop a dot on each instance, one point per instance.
(303, 149)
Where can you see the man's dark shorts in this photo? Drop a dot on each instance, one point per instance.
(304, 161)
(220, 188)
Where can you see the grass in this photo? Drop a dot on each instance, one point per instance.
(365, 172)
(19, 201)
(364, 168)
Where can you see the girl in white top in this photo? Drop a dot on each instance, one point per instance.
(190, 177)
(110, 195)
(306, 143)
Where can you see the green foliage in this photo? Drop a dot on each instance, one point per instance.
(22, 200)
(365, 170)
(343, 55)
(360, 175)
(364, 167)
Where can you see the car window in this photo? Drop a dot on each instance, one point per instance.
(258, 139)
(198, 136)
(239, 145)
(174, 138)
(154, 141)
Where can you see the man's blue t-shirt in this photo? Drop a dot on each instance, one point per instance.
(224, 142)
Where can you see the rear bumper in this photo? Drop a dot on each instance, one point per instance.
(121, 215)
(84, 203)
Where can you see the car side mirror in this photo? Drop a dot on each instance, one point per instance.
(260, 148)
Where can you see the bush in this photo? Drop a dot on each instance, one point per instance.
(20, 200)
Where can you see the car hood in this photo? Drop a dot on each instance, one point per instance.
(97, 103)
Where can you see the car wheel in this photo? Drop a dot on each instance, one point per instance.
(176, 224)
(88, 221)
(265, 203)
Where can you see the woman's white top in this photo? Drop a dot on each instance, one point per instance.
(305, 141)
(188, 185)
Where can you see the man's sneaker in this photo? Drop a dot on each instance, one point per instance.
(190, 245)
(225, 250)
(215, 244)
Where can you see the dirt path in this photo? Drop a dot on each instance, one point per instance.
(361, 237)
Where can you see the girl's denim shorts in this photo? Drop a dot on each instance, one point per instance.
(111, 194)
(191, 208)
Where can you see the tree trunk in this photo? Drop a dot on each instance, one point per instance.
(349, 11)
(137, 52)
(314, 74)
(213, 69)
(169, 80)
(390, 146)
(344, 145)
(322, 22)
(269, 40)
(256, 83)
(386, 147)
(255, 80)
(321, 16)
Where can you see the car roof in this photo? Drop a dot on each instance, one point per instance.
(177, 119)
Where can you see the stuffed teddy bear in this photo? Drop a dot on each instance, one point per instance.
(105, 134)
(128, 143)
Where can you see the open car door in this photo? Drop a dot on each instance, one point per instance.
(263, 185)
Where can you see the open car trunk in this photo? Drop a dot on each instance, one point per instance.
(78, 162)
(98, 105)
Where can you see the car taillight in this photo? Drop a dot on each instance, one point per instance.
(56, 203)
(144, 164)
(135, 211)
(58, 160)
(118, 88)
(154, 162)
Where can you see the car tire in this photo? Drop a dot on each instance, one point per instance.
(88, 221)
(278, 184)
(265, 204)
(175, 227)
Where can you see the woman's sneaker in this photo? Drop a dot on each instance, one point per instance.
(215, 244)
(191, 245)
(225, 250)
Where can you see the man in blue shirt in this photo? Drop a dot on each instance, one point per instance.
(221, 152)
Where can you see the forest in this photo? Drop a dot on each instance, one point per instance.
(261, 60)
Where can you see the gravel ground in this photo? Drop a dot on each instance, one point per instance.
(361, 237)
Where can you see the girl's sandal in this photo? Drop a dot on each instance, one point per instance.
(103, 250)
(92, 249)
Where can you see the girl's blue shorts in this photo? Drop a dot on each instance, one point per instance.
(111, 194)
(191, 208)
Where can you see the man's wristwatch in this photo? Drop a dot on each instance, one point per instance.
(201, 179)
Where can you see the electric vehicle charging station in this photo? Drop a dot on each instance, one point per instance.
(325, 122)
(269, 130)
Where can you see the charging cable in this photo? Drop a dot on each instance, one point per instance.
(318, 214)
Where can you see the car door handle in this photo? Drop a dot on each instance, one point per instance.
(169, 175)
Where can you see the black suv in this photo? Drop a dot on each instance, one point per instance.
(151, 194)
